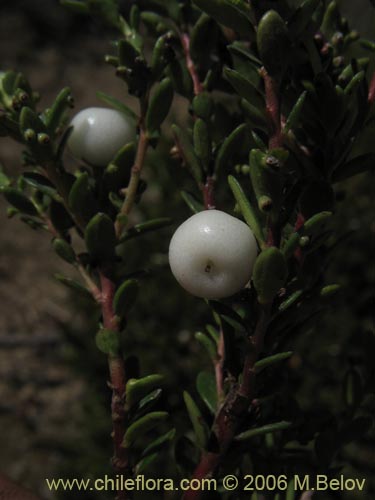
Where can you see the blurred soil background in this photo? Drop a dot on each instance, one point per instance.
(53, 396)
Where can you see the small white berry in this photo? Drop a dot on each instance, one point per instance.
(212, 254)
(98, 133)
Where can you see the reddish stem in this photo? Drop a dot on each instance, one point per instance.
(209, 194)
(219, 367)
(371, 92)
(185, 41)
(273, 109)
(117, 383)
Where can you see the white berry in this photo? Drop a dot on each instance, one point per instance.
(212, 254)
(98, 134)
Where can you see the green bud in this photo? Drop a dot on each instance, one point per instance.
(29, 135)
(44, 139)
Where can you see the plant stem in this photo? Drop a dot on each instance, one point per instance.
(234, 409)
(118, 385)
(371, 92)
(185, 41)
(131, 190)
(219, 367)
(208, 193)
(273, 109)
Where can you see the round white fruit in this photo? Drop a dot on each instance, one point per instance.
(98, 134)
(212, 254)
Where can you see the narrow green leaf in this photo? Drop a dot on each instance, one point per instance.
(273, 43)
(73, 285)
(292, 299)
(232, 13)
(206, 387)
(149, 401)
(302, 17)
(207, 344)
(271, 360)
(56, 114)
(136, 389)
(186, 149)
(64, 250)
(199, 425)
(127, 53)
(295, 115)
(144, 464)
(228, 315)
(244, 88)
(18, 200)
(100, 238)
(40, 182)
(79, 7)
(143, 425)
(159, 106)
(146, 227)
(125, 297)
(81, 197)
(261, 431)
(202, 142)
(159, 442)
(229, 148)
(116, 104)
(247, 210)
(316, 224)
(117, 173)
(270, 272)
(194, 205)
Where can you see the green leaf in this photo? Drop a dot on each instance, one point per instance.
(146, 227)
(29, 120)
(40, 183)
(266, 184)
(271, 360)
(244, 88)
(73, 285)
(116, 104)
(330, 290)
(229, 148)
(203, 106)
(270, 272)
(228, 315)
(353, 389)
(100, 238)
(81, 199)
(186, 149)
(18, 200)
(56, 114)
(159, 106)
(194, 205)
(203, 34)
(202, 142)
(149, 401)
(273, 43)
(295, 115)
(143, 425)
(64, 250)
(125, 297)
(232, 13)
(79, 7)
(261, 431)
(302, 17)
(247, 210)
(108, 342)
(354, 166)
(246, 64)
(59, 216)
(316, 224)
(136, 389)
(144, 464)
(127, 53)
(206, 387)
(207, 344)
(196, 418)
(161, 56)
(292, 299)
(117, 173)
(159, 442)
